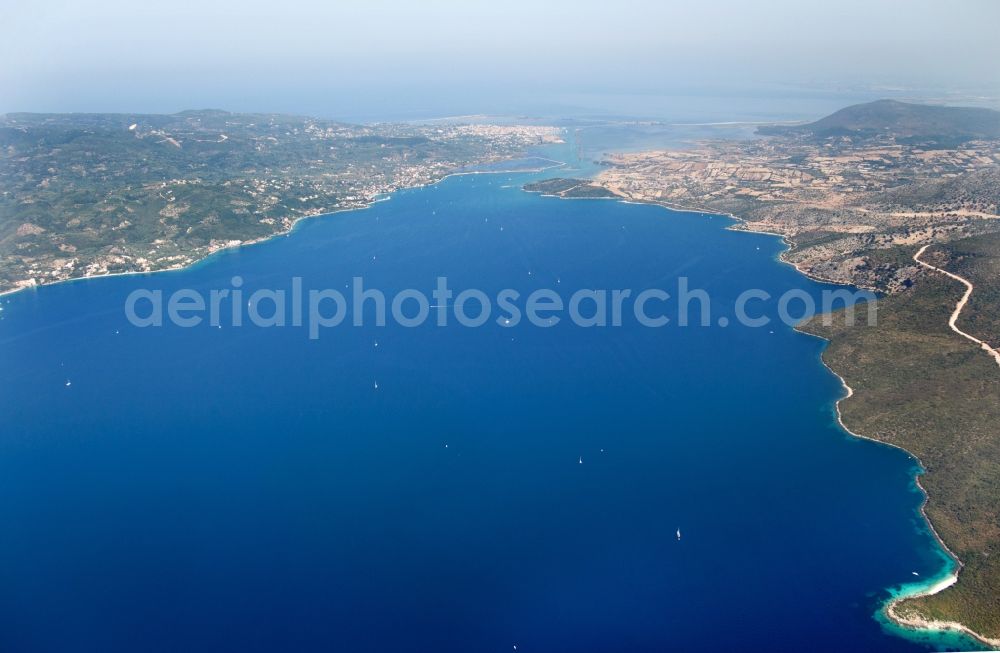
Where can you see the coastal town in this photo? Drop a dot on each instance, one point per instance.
(833, 199)
(95, 194)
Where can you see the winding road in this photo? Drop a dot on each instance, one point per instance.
(958, 307)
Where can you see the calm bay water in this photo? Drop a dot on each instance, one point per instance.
(249, 489)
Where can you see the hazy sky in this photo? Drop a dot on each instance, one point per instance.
(346, 58)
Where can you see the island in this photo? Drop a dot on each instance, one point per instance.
(896, 197)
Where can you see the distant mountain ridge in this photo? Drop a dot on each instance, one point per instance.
(904, 121)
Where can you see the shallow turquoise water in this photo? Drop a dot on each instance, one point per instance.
(249, 489)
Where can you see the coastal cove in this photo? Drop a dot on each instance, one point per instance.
(498, 486)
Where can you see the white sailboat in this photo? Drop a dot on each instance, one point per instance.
(678, 534)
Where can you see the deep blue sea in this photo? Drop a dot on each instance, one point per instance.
(249, 489)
